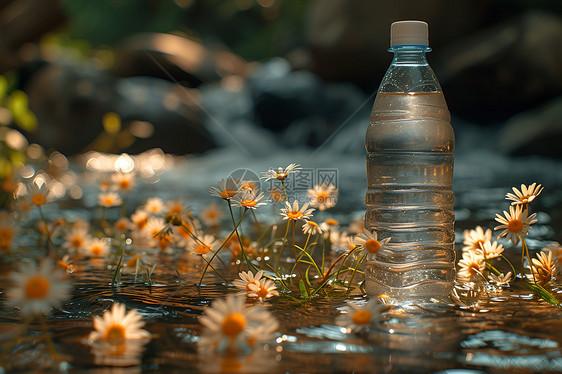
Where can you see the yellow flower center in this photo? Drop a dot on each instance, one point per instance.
(176, 209)
(77, 242)
(108, 201)
(37, 287)
(312, 223)
(322, 197)
(373, 245)
(125, 184)
(262, 292)
(96, 250)
(38, 199)
(233, 325)
(332, 222)
(361, 317)
(121, 225)
(515, 225)
(227, 194)
(133, 261)
(281, 176)
(212, 214)
(202, 249)
(248, 203)
(473, 269)
(277, 195)
(296, 215)
(248, 186)
(115, 332)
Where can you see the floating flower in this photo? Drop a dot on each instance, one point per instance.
(227, 189)
(230, 326)
(154, 205)
(501, 279)
(473, 239)
(471, 266)
(211, 215)
(323, 196)
(37, 289)
(109, 199)
(248, 199)
(369, 241)
(295, 213)
(516, 223)
(526, 195)
(311, 228)
(123, 181)
(264, 290)
(543, 267)
(490, 250)
(358, 317)
(97, 247)
(116, 326)
(280, 174)
(247, 278)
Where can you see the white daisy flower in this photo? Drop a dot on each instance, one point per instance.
(280, 174)
(116, 326)
(227, 189)
(97, 247)
(123, 181)
(490, 250)
(139, 219)
(247, 278)
(154, 206)
(543, 268)
(76, 239)
(323, 196)
(264, 290)
(295, 213)
(204, 245)
(39, 194)
(229, 325)
(37, 289)
(471, 266)
(358, 317)
(473, 239)
(369, 241)
(109, 199)
(311, 228)
(211, 215)
(526, 195)
(516, 223)
(248, 199)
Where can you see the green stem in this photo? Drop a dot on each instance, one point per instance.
(296, 257)
(221, 247)
(302, 254)
(511, 265)
(244, 257)
(355, 271)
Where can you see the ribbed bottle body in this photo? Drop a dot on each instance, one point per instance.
(410, 145)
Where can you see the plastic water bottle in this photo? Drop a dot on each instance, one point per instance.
(410, 145)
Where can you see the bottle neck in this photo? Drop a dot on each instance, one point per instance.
(409, 54)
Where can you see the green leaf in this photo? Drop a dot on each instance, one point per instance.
(302, 287)
(541, 292)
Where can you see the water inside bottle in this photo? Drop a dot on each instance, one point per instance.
(409, 170)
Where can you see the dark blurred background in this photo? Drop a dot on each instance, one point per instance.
(188, 76)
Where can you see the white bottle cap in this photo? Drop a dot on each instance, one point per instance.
(409, 33)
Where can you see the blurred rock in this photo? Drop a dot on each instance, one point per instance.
(70, 100)
(176, 58)
(504, 69)
(535, 132)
